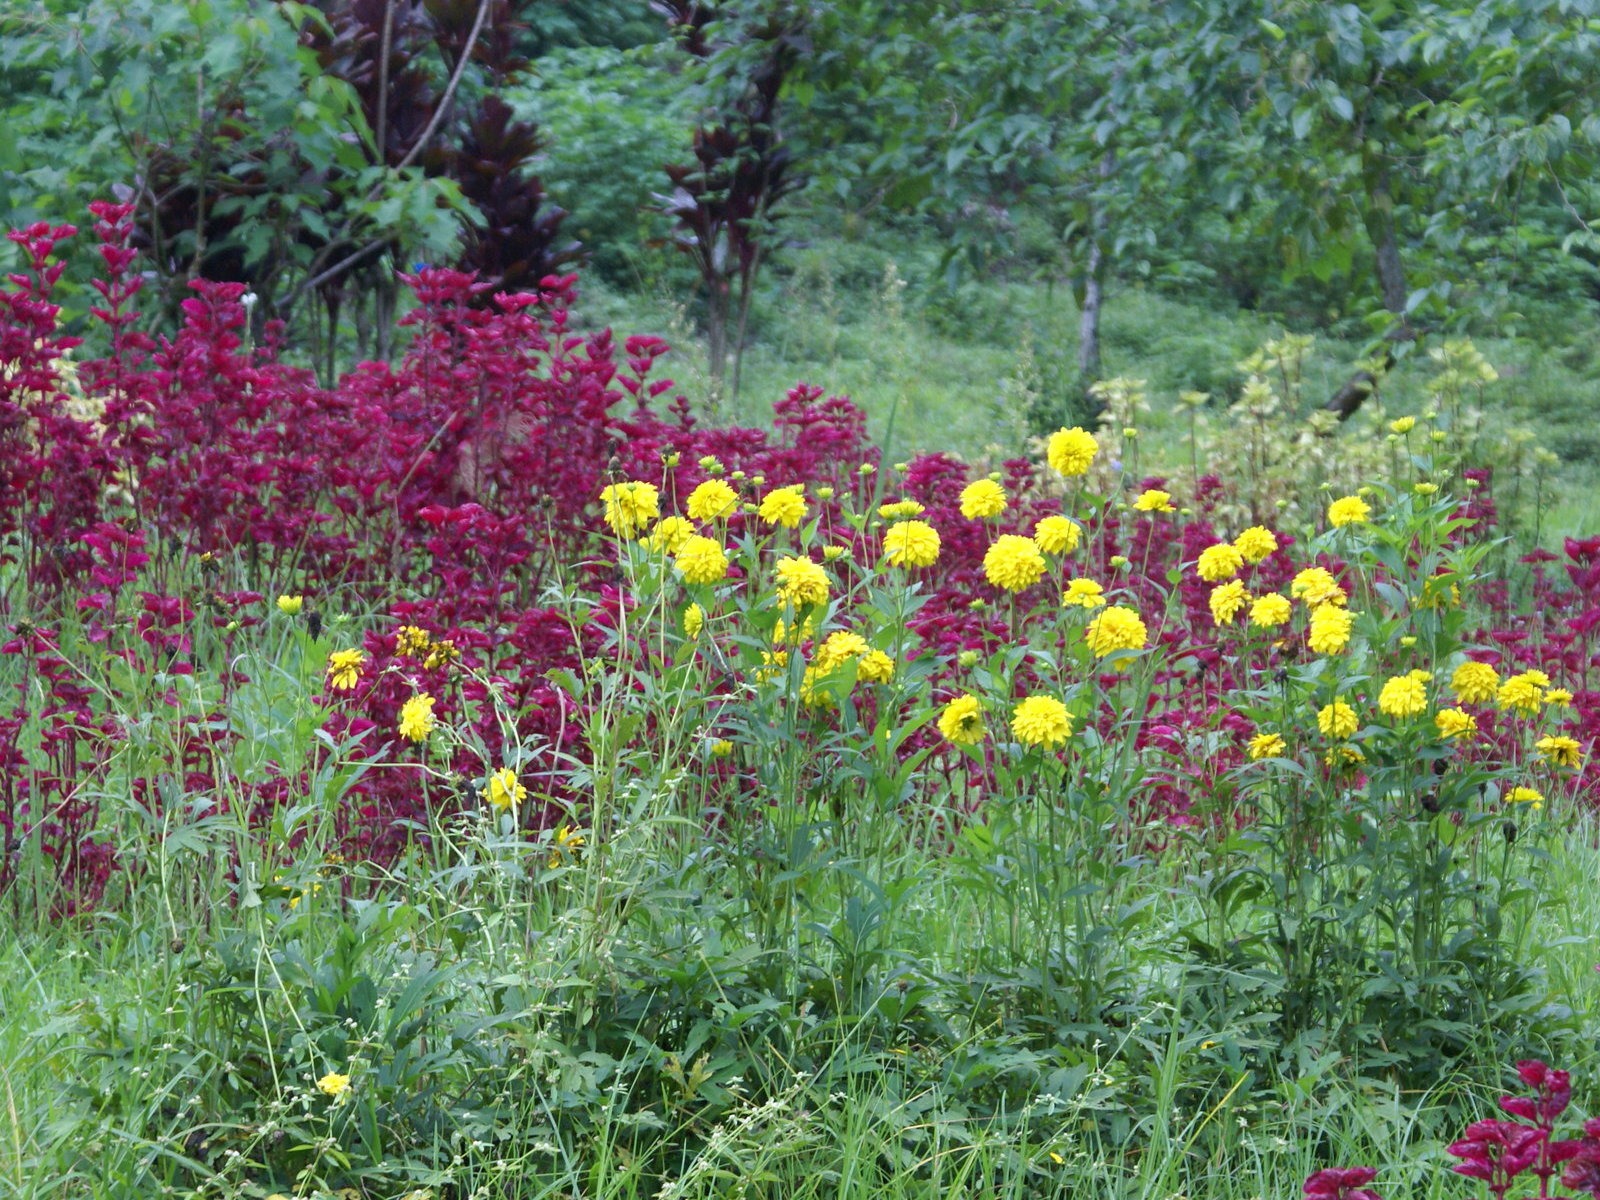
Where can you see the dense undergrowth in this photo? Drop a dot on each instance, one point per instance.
(486, 777)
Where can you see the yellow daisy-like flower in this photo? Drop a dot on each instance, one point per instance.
(1338, 720)
(416, 718)
(630, 506)
(961, 721)
(290, 606)
(1071, 452)
(1153, 500)
(1475, 683)
(1226, 601)
(1402, 425)
(1403, 696)
(333, 1085)
(911, 544)
(1524, 691)
(1013, 563)
(1425, 488)
(1558, 697)
(1041, 721)
(694, 620)
(1343, 756)
(1559, 750)
(1255, 543)
(840, 647)
(344, 669)
(1270, 611)
(982, 499)
(1083, 593)
(1266, 745)
(801, 582)
(564, 846)
(1348, 510)
(875, 667)
(410, 641)
(1219, 562)
(1456, 723)
(1117, 628)
(722, 748)
(504, 790)
(785, 506)
(669, 535)
(1330, 629)
(834, 553)
(441, 654)
(1315, 585)
(1057, 534)
(900, 509)
(701, 560)
(1526, 795)
(712, 501)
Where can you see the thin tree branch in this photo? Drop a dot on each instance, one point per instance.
(450, 88)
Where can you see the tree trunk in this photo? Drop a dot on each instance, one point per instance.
(1379, 219)
(1094, 287)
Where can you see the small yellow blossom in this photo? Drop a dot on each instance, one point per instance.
(1153, 500)
(504, 790)
(1057, 534)
(1041, 721)
(1402, 425)
(1117, 628)
(1269, 611)
(1475, 683)
(290, 606)
(801, 582)
(1083, 593)
(1013, 563)
(1425, 489)
(982, 499)
(722, 748)
(1267, 745)
(701, 560)
(333, 1085)
(1559, 750)
(1526, 795)
(1255, 543)
(630, 506)
(875, 667)
(961, 721)
(669, 535)
(1071, 452)
(1557, 697)
(1348, 510)
(1219, 562)
(911, 544)
(1456, 723)
(900, 509)
(1226, 601)
(564, 846)
(785, 506)
(416, 718)
(694, 620)
(1524, 691)
(1403, 696)
(1315, 585)
(712, 501)
(344, 669)
(1338, 720)
(1330, 629)
(411, 641)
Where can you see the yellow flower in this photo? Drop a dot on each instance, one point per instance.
(1041, 721)
(1117, 560)
(900, 509)
(825, 492)
(333, 1084)
(1402, 425)
(1316, 586)
(1330, 629)
(1343, 756)
(1338, 720)
(694, 620)
(1402, 696)
(840, 647)
(1226, 601)
(701, 560)
(1348, 510)
(722, 748)
(982, 499)
(1152, 500)
(785, 506)
(669, 535)
(875, 667)
(564, 845)
(773, 664)
(712, 501)
(344, 669)
(1456, 723)
(1117, 628)
(1267, 745)
(416, 718)
(801, 582)
(441, 653)
(1524, 691)
(1057, 535)
(1255, 543)
(290, 606)
(1475, 683)
(1083, 593)
(1526, 795)
(630, 506)
(504, 790)
(1558, 697)
(961, 721)
(1424, 489)
(411, 641)
(1071, 451)
(911, 544)
(1269, 611)
(1013, 562)
(834, 553)
(1219, 562)
(1560, 751)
